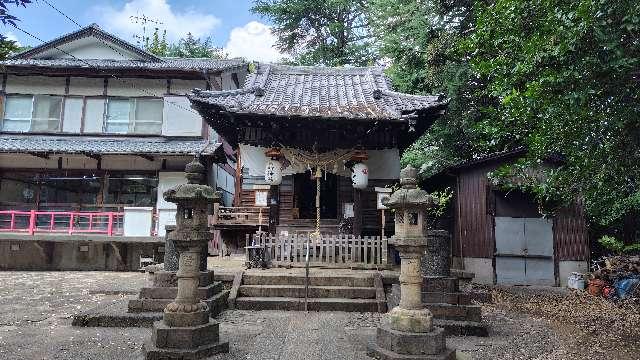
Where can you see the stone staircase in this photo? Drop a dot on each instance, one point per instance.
(360, 293)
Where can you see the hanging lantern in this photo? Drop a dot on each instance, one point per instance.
(360, 175)
(273, 172)
(273, 167)
(359, 170)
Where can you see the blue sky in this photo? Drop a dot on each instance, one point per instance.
(230, 23)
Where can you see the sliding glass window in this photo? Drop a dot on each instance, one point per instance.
(32, 113)
(133, 116)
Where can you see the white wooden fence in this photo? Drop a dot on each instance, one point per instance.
(339, 251)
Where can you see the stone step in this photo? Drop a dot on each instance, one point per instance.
(298, 291)
(462, 328)
(457, 298)
(216, 304)
(299, 279)
(456, 312)
(314, 304)
(171, 292)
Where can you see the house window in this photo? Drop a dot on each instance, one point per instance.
(37, 113)
(133, 116)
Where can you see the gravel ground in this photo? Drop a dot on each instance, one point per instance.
(35, 309)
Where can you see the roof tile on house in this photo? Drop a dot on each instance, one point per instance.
(165, 64)
(363, 93)
(45, 144)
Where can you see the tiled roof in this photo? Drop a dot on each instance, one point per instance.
(165, 64)
(363, 93)
(46, 144)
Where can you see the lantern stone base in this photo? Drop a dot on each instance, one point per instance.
(411, 320)
(392, 344)
(188, 343)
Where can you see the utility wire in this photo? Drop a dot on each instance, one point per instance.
(126, 82)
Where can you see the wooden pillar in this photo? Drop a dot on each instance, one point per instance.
(357, 212)
(274, 208)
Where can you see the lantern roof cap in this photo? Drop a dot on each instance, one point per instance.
(194, 189)
(410, 195)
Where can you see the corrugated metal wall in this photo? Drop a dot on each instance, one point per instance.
(570, 233)
(474, 221)
(473, 225)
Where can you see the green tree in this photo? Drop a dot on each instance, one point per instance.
(564, 79)
(192, 47)
(158, 45)
(8, 48)
(315, 32)
(422, 41)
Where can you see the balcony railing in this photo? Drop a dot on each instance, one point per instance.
(71, 222)
(244, 216)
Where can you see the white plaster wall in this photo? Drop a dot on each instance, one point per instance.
(86, 86)
(179, 86)
(136, 87)
(179, 118)
(35, 85)
(481, 267)
(72, 120)
(565, 268)
(167, 210)
(88, 48)
(137, 221)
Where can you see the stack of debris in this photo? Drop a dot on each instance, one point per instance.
(616, 278)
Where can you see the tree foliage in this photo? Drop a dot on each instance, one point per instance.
(421, 39)
(558, 77)
(315, 32)
(187, 47)
(564, 77)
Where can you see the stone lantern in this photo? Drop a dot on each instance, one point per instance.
(186, 330)
(409, 332)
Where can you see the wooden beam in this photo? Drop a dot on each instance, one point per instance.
(40, 155)
(146, 157)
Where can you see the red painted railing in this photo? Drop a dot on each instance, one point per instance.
(71, 222)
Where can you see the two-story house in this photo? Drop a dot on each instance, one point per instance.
(93, 130)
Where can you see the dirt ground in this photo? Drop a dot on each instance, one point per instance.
(525, 323)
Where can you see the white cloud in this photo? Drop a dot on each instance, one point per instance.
(177, 23)
(254, 41)
(11, 36)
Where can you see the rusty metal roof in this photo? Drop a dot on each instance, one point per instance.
(304, 91)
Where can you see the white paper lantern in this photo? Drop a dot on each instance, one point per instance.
(273, 172)
(360, 175)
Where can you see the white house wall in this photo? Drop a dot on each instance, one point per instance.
(86, 86)
(179, 118)
(88, 48)
(35, 85)
(167, 210)
(128, 87)
(73, 115)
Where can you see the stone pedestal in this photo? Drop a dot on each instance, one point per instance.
(436, 260)
(186, 330)
(409, 332)
(451, 307)
(170, 252)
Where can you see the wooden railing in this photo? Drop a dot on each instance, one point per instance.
(340, 251)
(248, 216)
(33, 221)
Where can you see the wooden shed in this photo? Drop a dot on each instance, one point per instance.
(503, 238)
